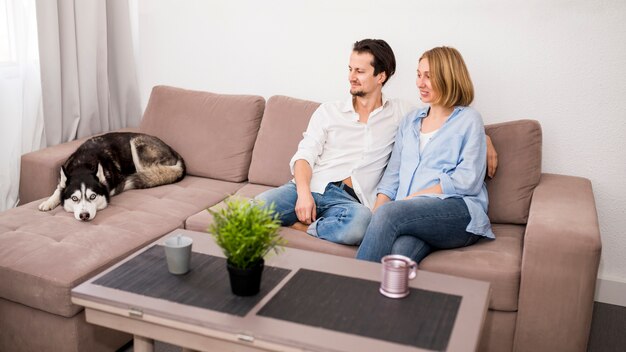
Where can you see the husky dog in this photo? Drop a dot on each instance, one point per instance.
(109, 164)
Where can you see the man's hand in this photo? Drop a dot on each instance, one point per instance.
(492, 159)
(305, 204)
(305, 208)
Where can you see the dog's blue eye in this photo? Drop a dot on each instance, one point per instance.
(74, 198)
(92, 197)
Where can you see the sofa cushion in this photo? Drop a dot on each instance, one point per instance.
(295, 238)
(496, 261)
(284, 121)
(43, 255)
(518, 144)
(214, 133)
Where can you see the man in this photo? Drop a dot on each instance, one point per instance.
(343, 153)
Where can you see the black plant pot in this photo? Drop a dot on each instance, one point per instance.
(245, 282)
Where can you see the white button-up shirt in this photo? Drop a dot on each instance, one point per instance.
(338, 146)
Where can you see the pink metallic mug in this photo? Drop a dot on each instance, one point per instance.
(397, 271)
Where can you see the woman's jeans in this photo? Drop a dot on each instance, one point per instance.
(415, 227)
(340, 217)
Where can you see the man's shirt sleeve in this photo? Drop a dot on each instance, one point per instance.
(312, 143)
(388, 185)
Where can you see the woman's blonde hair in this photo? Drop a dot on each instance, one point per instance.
(449, 77)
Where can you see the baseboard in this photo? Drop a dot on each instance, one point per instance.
(611, 292)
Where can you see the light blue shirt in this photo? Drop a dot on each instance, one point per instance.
(455, 157)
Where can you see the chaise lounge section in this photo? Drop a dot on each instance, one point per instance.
(542, 267)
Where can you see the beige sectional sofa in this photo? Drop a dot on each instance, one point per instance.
(542, 267)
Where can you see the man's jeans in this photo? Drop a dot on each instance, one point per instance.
(340, 217)
(415, 227)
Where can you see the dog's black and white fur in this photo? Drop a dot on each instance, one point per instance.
(109, 164)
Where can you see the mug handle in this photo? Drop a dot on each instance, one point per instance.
(413, 270)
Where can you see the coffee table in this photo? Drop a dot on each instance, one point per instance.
(308, 302)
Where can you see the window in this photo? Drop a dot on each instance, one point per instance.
(7, 44)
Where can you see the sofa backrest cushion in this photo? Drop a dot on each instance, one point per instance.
(518, 144)
(214, 133)
(284, 121)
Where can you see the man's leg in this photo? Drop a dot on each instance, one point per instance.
(439, 223)
(341, 219)
(284, 200)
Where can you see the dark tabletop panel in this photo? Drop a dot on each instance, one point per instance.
(355, 306)
(206, 285)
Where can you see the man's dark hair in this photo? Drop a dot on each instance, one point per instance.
(384, 59)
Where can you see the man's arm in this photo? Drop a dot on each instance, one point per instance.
(301, 164)
(305, 205)
(492, 158)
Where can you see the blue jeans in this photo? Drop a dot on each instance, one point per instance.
(340, 218)
(415, 227)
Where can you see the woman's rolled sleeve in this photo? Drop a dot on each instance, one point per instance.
(467, 177)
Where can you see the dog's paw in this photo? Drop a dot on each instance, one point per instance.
(47, 205)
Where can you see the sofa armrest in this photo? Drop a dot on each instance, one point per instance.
(559, 266)
(40, 170)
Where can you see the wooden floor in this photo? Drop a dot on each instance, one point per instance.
(608, 328)
(608, 331)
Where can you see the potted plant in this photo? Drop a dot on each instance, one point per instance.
(246, 231)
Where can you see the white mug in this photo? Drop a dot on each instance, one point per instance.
(397, 270)
(178, 254)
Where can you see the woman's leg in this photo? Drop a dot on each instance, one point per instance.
(412, 247)
(439, 223)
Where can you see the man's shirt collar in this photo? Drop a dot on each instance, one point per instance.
(349, 104)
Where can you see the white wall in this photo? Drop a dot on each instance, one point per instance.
(560, 62)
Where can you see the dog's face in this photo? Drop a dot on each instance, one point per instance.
(84, 194)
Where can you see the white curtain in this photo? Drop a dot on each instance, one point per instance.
(67, 70)
(21, 122)
(89, 80)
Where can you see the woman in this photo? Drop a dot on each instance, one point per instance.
(433, 195)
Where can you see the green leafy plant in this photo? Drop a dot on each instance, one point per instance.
(246, 231)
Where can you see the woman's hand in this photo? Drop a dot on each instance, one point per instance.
(436, 189)
(380, 200)
(492, 158)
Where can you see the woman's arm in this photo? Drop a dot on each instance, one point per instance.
(436, 189)
(380, 200)
(468, 176)
(388, 185)
(492, 164)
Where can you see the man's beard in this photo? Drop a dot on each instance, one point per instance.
(358, 93)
